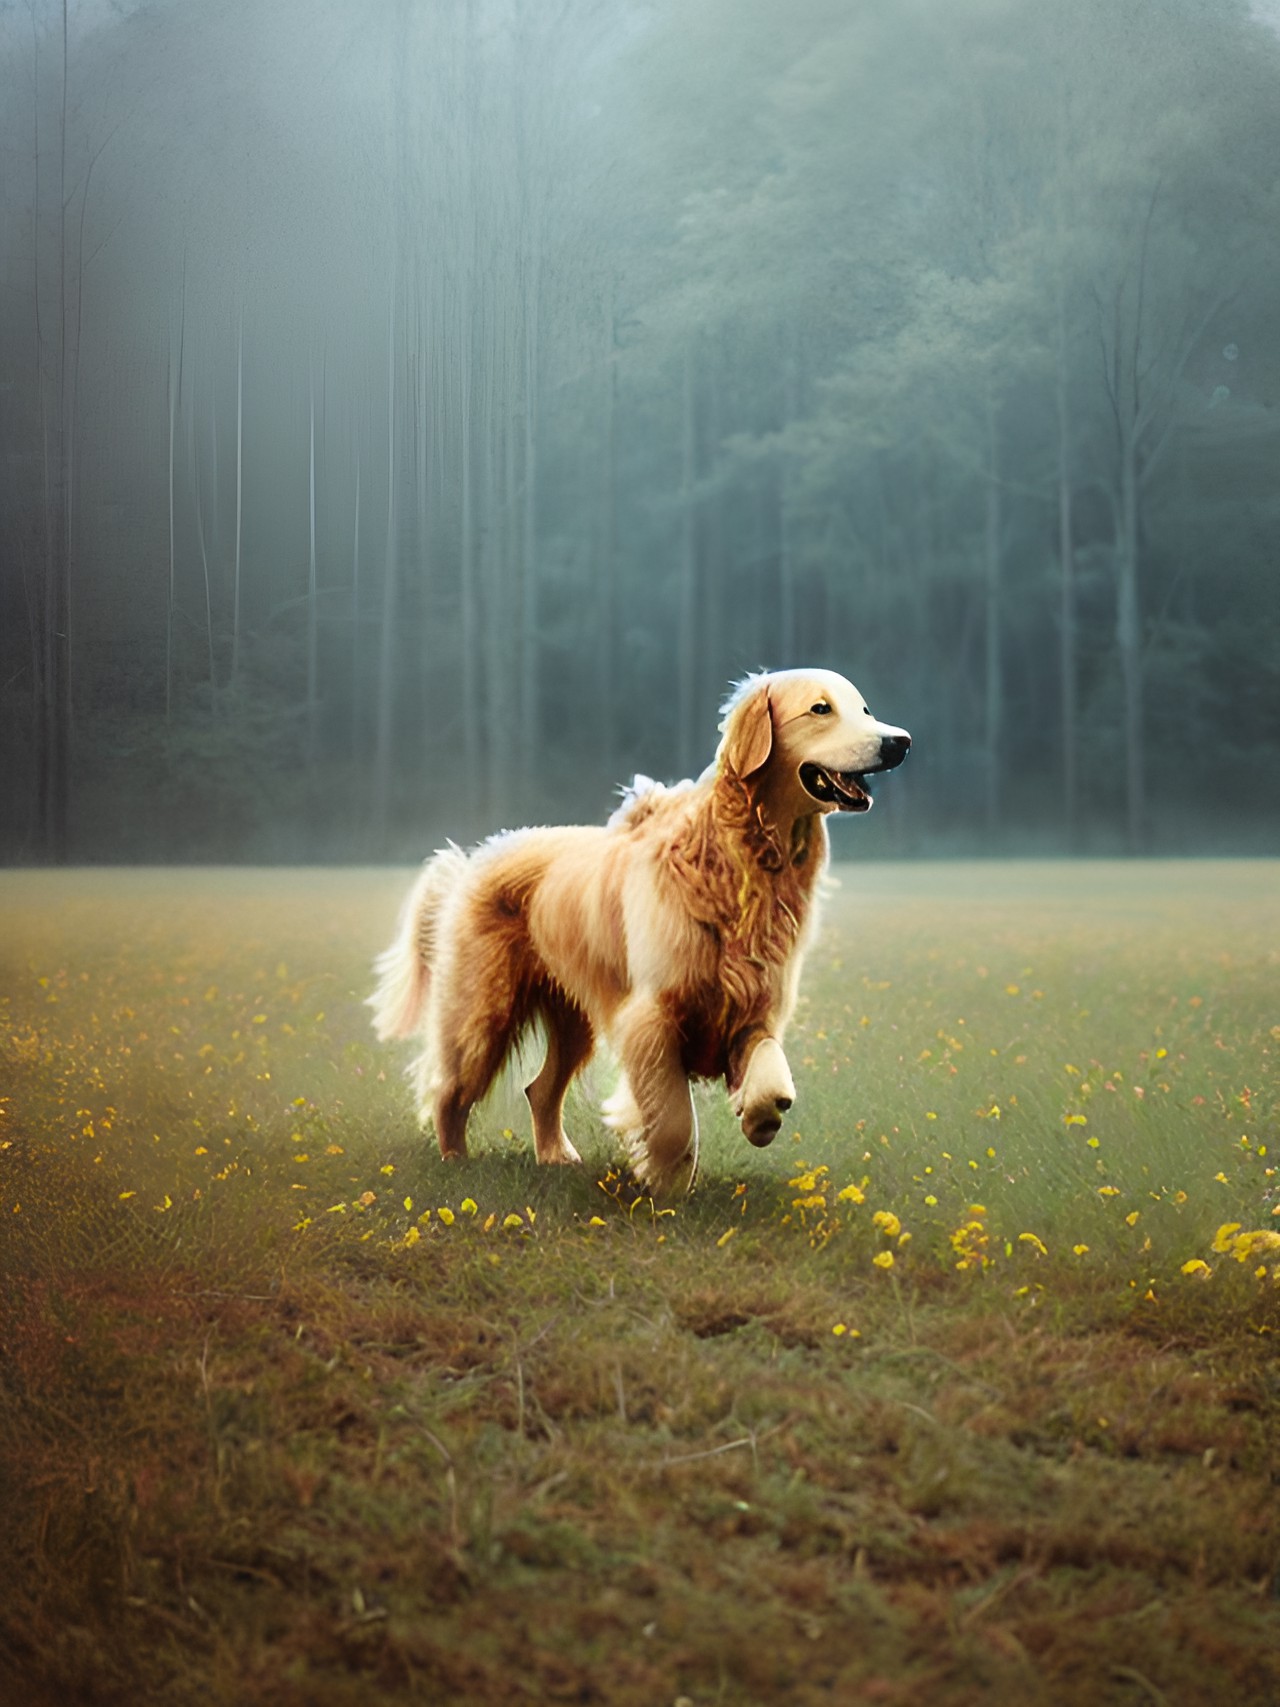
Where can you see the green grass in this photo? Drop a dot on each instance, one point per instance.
(274, 1430)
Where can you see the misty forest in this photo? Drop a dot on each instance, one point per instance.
(415, 415)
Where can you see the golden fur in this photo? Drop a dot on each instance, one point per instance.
(676, 931)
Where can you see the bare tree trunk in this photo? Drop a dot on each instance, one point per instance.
(235, 596)
(1067, 599)
(993, 721)
(419, 554)
(606, 579)
(712, 664)
(168, 613)
(355, 614)
(530, 614)
(687, 608)
(390, 613)
(508, 750)
(53, 675)
(473, 790)
(1068, 686)
(204, 564)
(1129, 646)
(786, 544)
(472, 419)
(313, 624)
(60, 792)
(497, 611)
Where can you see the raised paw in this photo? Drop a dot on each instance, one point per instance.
(766, 1093)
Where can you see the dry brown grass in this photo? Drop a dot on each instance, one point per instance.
(247, 1461)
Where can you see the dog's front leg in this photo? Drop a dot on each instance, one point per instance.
(652, 1110)
(762, 1089)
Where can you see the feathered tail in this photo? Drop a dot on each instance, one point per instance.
(404, 969)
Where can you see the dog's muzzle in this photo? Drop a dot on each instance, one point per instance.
(847, 790)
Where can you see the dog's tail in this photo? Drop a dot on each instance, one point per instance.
(404, 969)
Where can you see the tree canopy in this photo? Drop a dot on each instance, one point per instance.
(415, 415)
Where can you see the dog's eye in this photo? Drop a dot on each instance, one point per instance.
(822, 709)
(866, 710)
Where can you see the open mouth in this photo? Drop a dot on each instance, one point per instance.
(845, 790)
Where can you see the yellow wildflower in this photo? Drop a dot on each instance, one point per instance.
(1246, 1245)
(807, 1179)
(888, 1224)
(883, 1259)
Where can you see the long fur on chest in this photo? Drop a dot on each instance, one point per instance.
(724, 864)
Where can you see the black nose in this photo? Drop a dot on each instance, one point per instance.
(893, 749)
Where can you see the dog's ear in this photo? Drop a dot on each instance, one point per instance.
(748, 730)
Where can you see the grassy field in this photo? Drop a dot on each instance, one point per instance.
(965, 1391)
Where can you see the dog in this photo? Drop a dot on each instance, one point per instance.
(676, 931)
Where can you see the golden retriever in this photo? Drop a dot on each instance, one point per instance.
(676, 931)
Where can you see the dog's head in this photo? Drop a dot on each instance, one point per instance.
(810, 733)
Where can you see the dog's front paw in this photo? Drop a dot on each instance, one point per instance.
(651, 1170)
(677, 1180)
(564, 1152)
(766, 1093)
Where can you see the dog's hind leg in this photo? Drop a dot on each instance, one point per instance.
(466, 1074)
(652, 1110)
(480, 1006)
(569, 1045)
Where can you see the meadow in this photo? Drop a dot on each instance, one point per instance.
(966, 1390)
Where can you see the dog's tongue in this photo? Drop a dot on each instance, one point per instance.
(849, 786)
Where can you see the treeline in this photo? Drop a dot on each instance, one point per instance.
(415, 415)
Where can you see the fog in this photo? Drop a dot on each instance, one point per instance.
(415, 414)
